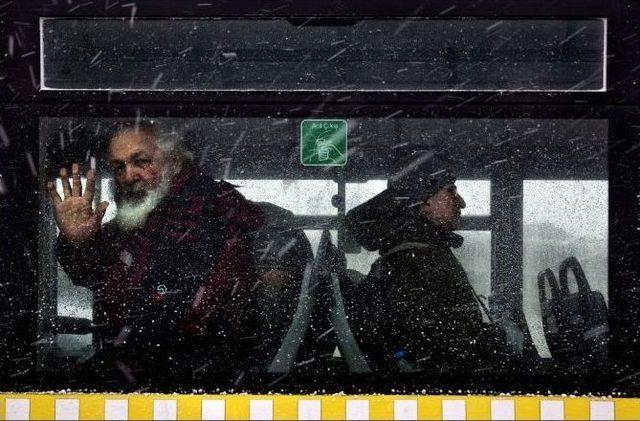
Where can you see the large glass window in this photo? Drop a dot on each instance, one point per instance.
(365, 55)
(551, 175)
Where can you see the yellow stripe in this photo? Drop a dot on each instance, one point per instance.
(91, 406)
(2, 406)
(285, 407)
(237, 407)
(627, 409)
(527, 408)
(478, 408)
(333, 407)
(577, 408)
(189, 407)
(430, 408)
(141, 407)
(42, 406)
(381, 407)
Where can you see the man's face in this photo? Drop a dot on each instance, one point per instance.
(443, 208)
(137, 164)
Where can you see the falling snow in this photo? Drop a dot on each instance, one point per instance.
(482, 228)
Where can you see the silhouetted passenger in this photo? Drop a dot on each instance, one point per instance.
(422, 310)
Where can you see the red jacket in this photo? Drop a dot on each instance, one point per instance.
(188, 269)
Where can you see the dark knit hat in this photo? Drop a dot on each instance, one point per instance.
(422, 178)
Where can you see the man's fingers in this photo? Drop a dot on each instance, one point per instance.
(76, 187)
(90, 187)
(66, 187)
(55, 197)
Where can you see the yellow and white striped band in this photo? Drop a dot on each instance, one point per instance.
(311, 407)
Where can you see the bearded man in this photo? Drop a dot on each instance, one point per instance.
(172, 273)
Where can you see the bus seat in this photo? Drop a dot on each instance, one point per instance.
(307, 342)
(575, 323)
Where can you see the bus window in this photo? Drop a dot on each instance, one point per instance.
(507, 170)
(563, 218)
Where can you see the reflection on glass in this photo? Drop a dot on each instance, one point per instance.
(562, 218)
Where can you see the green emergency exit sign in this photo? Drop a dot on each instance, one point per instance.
(323, 142)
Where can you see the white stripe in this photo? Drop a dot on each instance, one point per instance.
(67, 409)
(551, 410)
(503, 410)
(357, 410)
(165, 409)
(116, 409)
(261, 409)
(309, 409)
(17, 409)
(213, 410)
(405, 410)
(601, 410)
(454, 410)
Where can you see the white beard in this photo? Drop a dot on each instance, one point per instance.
(133, 214)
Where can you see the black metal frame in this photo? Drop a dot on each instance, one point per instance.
(22, 104)
(23, 19)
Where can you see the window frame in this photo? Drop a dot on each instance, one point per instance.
(504, 222)
(22, 103)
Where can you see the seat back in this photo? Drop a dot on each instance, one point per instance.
(575, 323)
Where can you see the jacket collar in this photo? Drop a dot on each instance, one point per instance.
(186, 173)
(422, 231)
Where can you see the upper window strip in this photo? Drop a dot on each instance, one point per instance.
(397, 55)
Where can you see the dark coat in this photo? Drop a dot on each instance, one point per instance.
(185, 277)
(427, 312)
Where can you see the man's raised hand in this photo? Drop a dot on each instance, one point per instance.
(76, 218)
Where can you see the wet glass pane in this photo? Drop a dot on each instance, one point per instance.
(367, 55)
(302, 197)
(563, 218)
(477, 196)
(310, 258)
(314, 238)
(73, 301)
(358, 193)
